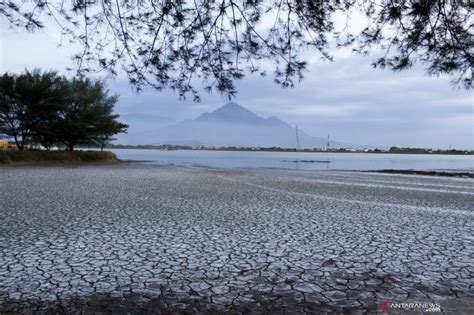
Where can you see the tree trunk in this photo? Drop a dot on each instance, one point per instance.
(69, 146)
(18, 144)
(23, 141)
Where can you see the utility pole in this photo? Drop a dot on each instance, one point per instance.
(297, 139)
(328, 144)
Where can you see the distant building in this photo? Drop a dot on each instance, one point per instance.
(3, 143)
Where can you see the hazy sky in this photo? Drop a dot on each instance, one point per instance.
(347, 99)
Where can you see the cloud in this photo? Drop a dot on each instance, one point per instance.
(323, 110)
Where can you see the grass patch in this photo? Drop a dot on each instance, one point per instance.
(38, 156)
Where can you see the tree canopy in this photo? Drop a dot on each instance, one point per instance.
(43, 108)
(174, 44)
(27, 102)
(88, 116)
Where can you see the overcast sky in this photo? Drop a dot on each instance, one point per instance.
(347, 99)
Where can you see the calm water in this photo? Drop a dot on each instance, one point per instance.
(302, 161)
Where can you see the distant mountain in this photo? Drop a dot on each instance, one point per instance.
(231, 113)
(234, 125)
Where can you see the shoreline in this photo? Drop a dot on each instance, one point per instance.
(445, 173)
(73, 163)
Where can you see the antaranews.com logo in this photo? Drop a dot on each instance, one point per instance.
(387, 306)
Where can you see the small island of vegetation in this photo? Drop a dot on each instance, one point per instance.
(48, 115)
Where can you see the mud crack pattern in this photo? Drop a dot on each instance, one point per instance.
(148, 239)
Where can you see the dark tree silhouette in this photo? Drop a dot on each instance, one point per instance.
(27, 103)
(174, 44)
(108, 128)
(88, 117)
(47, 109)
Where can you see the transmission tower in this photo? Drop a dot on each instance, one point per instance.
(297, 139)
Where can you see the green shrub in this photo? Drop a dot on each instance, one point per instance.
(14, 156)
(94, 156)
(4, 157)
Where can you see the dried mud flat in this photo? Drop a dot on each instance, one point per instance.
(146, 239)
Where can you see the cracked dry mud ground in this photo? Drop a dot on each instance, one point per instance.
(149, 239)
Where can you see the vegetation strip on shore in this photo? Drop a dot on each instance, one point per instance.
(392, 150)
(38, 156)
